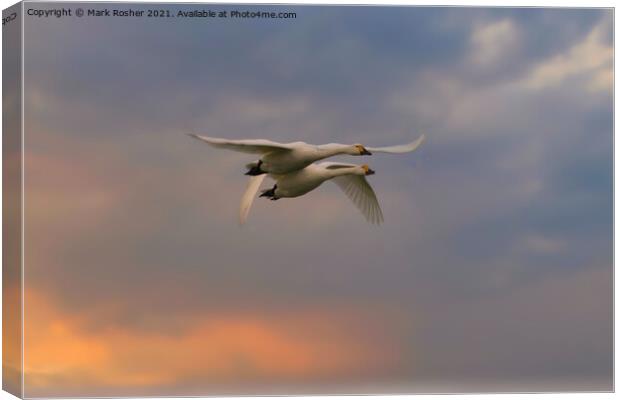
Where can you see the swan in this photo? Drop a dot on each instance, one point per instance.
(282, 158)
(351, 178)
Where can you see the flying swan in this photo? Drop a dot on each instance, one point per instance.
(350, 178)
(282, 158)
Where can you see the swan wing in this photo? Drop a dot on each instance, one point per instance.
(252, 146)
(402, 148)
(359, 191)
(248, 197)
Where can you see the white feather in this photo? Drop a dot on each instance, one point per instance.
(252, 146)
(398, 149)
(248, 197)
(359, 191)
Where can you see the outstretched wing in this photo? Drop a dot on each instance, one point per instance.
(248, 197)
(252, 146)
(357, 189)
(402, 148)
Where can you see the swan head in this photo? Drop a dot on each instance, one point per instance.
(360, 150)
(367, 170)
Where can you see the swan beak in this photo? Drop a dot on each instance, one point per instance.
(370, 172)
(365, 152)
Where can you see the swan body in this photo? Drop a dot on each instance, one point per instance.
(298, 183)
(350, 178)
(283, 158)
(303, 155)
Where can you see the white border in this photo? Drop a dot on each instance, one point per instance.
(476, 3)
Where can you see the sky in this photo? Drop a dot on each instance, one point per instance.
(491, 272)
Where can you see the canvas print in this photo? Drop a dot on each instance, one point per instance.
(234, 199)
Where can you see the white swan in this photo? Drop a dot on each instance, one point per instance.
(282, 158)
(350, 178)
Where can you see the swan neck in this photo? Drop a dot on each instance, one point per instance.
(332, 151)
(341, 171)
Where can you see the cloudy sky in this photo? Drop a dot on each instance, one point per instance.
(492, 271)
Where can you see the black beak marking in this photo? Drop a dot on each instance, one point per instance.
(366, 152)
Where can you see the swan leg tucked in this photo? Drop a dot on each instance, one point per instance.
(270, 193)
(254, 168)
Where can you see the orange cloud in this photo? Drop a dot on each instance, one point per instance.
(11, 334)
(64, 356)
